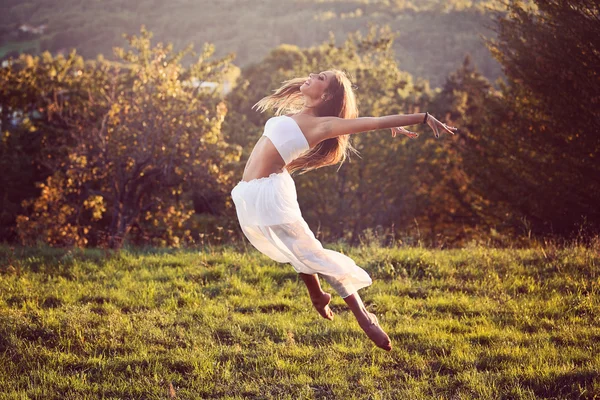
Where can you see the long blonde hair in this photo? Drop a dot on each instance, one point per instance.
(342, 104)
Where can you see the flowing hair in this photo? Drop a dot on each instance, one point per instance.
(342, 104)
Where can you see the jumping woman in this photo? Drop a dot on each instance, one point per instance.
(315, 134)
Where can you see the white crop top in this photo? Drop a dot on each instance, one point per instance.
(287, 137)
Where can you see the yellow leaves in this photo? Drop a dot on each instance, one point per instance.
(29, 60)
(51, 216)
(97, 205)
(130, 162)
(22, 220)
(30, 127)
(221, 110)
(137, 123)
(78, 160)
(113, 114)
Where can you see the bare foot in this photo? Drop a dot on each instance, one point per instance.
(375, 333)
(322, 306)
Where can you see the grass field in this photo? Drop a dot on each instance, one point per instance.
(29, 46)
(474, 323)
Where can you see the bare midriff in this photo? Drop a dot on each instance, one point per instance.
(263, 161)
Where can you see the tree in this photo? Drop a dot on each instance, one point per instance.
(453, 175)
(551, 56)
(140, 136)
(33, 143)
(379, 190)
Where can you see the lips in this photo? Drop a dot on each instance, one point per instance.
(307, 83)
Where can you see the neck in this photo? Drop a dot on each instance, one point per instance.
(310, 107)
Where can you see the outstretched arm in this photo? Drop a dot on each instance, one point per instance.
(331, 127)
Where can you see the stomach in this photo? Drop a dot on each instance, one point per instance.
(263, 161)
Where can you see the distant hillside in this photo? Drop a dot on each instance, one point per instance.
(434, 35)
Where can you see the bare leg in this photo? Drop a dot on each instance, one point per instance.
(319, 298)
(368, 322)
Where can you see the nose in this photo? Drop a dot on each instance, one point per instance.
(311, 75)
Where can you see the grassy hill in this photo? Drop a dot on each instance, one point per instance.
(433, 35)
(475, 323)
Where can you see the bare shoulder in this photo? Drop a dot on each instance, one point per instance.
(309, 125)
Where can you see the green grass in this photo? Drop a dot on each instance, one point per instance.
(475, 323)
(28, 46)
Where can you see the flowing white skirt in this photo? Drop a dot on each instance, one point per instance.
(270, 217)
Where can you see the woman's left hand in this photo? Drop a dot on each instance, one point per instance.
(401, 130)
(439, 127)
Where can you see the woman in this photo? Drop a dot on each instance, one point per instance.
(316, 135)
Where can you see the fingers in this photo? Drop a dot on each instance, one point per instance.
(411, 135)
(449, 128)
(435, 125)
(406, 132)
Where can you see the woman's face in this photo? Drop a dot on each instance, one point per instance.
(316, 84)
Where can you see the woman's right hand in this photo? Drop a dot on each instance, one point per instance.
(403, 131)
(438, 126)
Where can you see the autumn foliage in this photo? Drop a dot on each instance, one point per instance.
(139, 150)
(128, 140)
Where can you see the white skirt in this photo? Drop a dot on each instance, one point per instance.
(270, 217)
